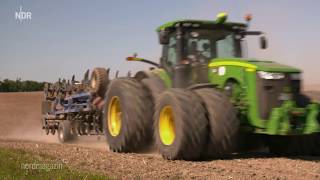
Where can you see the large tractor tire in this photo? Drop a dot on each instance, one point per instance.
(223, 123)
(180, 125)
(65, 132)
(99, 81)
(127, 117)
(155, 85)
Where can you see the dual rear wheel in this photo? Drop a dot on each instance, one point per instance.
(201, 123)
(185, 124)
(180, 125)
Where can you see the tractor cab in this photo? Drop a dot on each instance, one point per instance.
(189, 45)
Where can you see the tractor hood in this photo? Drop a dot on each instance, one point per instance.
(259, 65)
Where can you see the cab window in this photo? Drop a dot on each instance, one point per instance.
(172, 52)
(225, 47)
(204, 45)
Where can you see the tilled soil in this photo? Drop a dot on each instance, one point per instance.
(151, 166)
(314, 94)
(21, 129)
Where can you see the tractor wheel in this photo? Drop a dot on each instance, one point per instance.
(99, 81)
(223, 123)
(127, 117)
(155, 86)
(180, 125)
(295, 145)
(65, 132)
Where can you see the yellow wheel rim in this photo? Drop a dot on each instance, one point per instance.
(114, 116)
(166, 126)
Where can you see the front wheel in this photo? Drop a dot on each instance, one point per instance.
(223, 123)
(180, 125)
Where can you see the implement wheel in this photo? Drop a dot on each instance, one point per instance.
(65, 132)
(99, 81)
(180, 125)
(127, 116)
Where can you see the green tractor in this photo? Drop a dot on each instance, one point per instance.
(205, 100)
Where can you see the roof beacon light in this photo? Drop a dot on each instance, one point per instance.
(221, 18)
(248, 17)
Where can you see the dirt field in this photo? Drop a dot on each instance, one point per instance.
(21, 128)
(313, 91)
(312, 87)
(21, 120)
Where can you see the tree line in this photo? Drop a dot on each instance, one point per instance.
(18, 85)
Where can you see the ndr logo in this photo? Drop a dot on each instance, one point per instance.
(23, 15)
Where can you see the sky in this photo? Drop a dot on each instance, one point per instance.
(63, 38)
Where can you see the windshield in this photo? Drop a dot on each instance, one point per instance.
(203, 45)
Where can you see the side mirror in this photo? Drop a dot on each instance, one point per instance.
(163, 37)
(263, 42)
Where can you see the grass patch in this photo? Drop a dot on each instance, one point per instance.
(19, 164)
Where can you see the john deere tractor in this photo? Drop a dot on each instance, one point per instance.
(204, 99)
